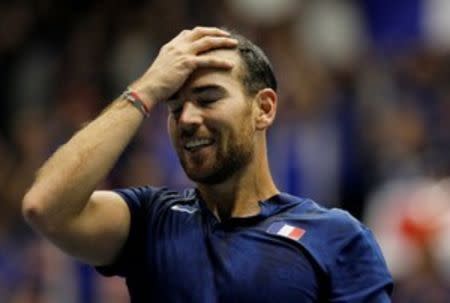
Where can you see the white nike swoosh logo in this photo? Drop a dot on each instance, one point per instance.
(180, 208)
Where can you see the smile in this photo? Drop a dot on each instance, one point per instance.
(197, 143)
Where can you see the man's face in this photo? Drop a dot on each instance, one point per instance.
(211, 125)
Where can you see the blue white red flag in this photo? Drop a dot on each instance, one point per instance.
(286, 230)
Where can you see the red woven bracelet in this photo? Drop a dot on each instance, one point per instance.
(136, 101)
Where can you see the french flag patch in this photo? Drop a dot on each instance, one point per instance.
(286, 230)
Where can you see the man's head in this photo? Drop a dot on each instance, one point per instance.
(257, 71)
(218, 118)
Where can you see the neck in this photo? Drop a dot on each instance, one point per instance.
(239, 195)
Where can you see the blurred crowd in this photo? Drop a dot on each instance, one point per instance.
(364, 105)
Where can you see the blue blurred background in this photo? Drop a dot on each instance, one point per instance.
(363, 121)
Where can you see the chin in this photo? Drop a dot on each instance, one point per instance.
(218, 168)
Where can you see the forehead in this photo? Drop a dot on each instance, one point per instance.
(216, 76)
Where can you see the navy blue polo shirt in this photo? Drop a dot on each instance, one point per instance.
(292, 251)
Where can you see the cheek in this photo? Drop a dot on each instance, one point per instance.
(246, 124)
(238, 134)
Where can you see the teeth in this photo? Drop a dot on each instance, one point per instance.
(197, 142)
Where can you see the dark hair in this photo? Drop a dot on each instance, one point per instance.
(257, 72)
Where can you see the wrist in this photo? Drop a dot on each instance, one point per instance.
(137, 101)
(145, 94)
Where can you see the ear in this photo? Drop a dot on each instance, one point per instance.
(266, 102)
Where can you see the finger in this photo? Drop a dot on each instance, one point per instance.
(200, 31)
(209, 43)
(212, 62)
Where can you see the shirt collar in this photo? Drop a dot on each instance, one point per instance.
(269, 207)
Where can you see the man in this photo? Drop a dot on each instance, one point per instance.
(235, 237)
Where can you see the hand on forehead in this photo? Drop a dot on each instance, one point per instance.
(179, 58)
(208, 77)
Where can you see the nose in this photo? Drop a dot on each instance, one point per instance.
(190, 117)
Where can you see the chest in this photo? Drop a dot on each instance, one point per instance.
(191, 260)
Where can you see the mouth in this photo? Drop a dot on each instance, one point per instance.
(195, 144)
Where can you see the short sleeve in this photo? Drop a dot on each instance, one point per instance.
(141, 202)
(359, 272)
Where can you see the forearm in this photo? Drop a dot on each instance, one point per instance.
(66, 181)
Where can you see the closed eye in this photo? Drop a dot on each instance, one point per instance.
(208, 97)
(208, 94)
(207, 100)
(203, 96)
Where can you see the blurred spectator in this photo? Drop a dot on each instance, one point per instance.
(411, 220)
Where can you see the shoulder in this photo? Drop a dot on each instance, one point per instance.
(330, 233)
(345, 249)
(332, 219)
